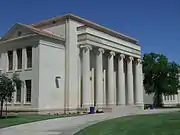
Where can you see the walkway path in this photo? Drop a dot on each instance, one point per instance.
(69, 125)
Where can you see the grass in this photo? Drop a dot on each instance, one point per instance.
(21, 119)
(155, 124)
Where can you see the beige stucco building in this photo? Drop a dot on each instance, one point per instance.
(69, 63)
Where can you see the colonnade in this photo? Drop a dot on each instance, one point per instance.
(129, 84)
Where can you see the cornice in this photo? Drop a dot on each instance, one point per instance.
(86, 23)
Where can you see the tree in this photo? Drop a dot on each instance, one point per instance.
(7, 87)
(160, 76)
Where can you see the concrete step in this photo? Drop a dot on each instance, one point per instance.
(130, 109)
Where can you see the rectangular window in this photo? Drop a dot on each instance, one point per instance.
(28, 91)
(29, 57)
(18, 95)
(19, 58)
(10, 60)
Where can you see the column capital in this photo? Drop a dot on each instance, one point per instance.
(121, 56)
(86, 47)
(112, 53)
(138, 61)
(130, 58)
(100, 50)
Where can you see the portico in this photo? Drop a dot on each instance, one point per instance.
(129, 89)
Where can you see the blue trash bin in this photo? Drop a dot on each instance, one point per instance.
(152, 107)
(91, 110)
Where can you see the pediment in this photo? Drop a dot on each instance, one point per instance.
(17, 30)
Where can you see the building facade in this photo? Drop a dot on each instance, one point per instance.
(68, 63)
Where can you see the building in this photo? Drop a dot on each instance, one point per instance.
(69, 63)
(167, 100)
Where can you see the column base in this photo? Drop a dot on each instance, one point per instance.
(121, 104)
(130, 104)
(140, 105)
(100, 107)
(111, 105)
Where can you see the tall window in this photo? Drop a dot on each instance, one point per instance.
(10, 60)
(29, 57)
(19, 58)
(18, 95)
(28, 90)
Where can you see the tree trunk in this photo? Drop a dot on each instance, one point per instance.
(1, 113)
(158, 100)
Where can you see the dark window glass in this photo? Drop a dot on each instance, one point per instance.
(18, 95)
(10, 60)
(19, 58)
(29, 57)
(28, 90)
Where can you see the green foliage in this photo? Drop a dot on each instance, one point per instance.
(160, 76)
(7, 87)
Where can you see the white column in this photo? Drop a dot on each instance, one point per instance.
(121, 81)
(99, 77)
(92, 86)
(86, 76)
(104, 87)
(79, 78)
(138, 83)
(110, 93)
(130, 93)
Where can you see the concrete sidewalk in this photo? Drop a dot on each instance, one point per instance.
(70, 125)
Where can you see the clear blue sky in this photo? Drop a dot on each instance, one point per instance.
(155, 23)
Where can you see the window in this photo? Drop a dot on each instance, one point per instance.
(10, 60)
(28, 91)
(19, 58)
(19, 33)
(18, 95)
(29, 57)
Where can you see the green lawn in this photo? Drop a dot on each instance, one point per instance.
(156, 124)
(21, 119)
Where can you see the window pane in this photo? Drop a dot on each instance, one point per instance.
(19, 58)
(10, 60)
(28, 90)
(29, 57)
(18, 95)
